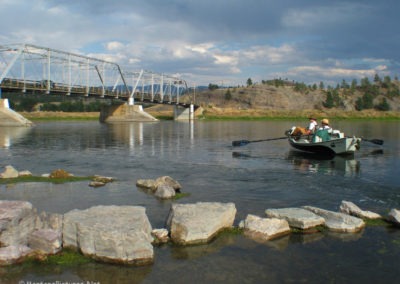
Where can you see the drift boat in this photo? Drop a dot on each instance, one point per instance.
(337, 144)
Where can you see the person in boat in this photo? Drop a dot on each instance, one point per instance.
(323, 133)
(309, 130)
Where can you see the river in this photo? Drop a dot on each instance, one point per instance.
(199, 155)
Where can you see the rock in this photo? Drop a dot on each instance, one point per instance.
(45, 241)
(147, 184)
(338, 222)
(394, 216)
(14, 254)
(297, 217)
(102, 179)
(10, 172)
(17, 222)
(96, 184)
(118, 234)
(263, 229)
(350, 208)
(24, 174)
(60, 173)
(166, 180)
(160, 236)
(152, 184)
(164, 191)
(52, 221)
(199, 222)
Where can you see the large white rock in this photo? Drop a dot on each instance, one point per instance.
(14, 254)
(297, 217)
(17, 222)
(352, 209)
(9, 172)
(338, 222)
(263, 229)
(120, 234)
(45, 241)
(394, 216)
(199, 222)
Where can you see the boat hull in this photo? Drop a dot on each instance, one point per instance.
(340, 146)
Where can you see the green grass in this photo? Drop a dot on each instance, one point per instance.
(42, 179)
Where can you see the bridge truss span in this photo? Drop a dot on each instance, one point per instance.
(29, 68)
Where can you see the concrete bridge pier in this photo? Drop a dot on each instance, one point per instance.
(182, 113)
(125, 113)
(8, 117)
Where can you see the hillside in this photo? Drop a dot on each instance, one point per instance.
(288, 100)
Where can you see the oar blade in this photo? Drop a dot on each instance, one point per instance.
(240, 143)
(376, 141)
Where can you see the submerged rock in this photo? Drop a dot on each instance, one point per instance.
(338, 222)
(352, 209)
(264, 229)
(199, 222)
(297, 217)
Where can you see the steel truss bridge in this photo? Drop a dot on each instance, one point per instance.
(33, 69)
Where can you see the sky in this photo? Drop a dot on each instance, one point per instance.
(222, 42)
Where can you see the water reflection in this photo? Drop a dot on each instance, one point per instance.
(9, 135)
(330, 165)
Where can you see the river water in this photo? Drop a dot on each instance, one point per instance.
(255, 177)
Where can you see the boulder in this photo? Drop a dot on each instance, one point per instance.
(96, 184)
(264, 229)
(146, 184)
(118, 234)
(17, 222)
(297, 217)
(160, 236)
(9, 172)
(60, 173)
(45, 241)
(164, 191)
(52, 221)
(166, 180)
(24, 173)
(102, 179)
(338, 222)
(394, 216)
(14, 254)
(350, 208)
(199, 222)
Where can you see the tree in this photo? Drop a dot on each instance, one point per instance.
(383, 105)
(321, 85)
(249, 82)
(228, 95)
(212, 86)
(367, 100)
(329, 101)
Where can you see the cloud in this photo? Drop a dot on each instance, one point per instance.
(225, 39)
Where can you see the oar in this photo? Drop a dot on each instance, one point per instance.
(240, 143)
(375, 141)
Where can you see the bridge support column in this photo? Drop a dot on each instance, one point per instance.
(125, 113)
(182, 113)
(8, 117)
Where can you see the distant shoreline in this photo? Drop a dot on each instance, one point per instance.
(229, 114)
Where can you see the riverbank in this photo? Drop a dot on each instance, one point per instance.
(215, 113)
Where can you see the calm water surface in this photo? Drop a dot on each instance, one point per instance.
(200, 156)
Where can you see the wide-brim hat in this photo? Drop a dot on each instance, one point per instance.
(325, 121)
(312, 116)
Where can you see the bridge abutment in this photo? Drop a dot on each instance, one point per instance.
(125, 113)
(182, 113)
(8, 117)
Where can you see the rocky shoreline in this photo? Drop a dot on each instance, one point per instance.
(124, 234)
